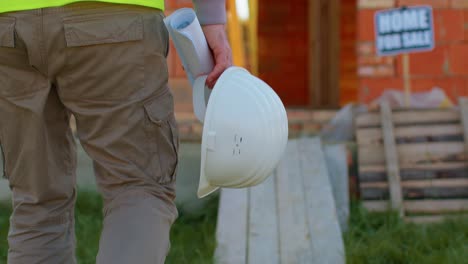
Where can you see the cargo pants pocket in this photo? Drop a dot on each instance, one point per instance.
(7, 32)
(104, 56)
(163, 138)
(7, 40)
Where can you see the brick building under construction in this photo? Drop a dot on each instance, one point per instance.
(320, 53)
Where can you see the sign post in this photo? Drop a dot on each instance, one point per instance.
(402, 31)
(406, 78)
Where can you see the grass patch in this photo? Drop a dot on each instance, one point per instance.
(384, 238)
(4, 225)
(372, 238)
(88, 224)
(192, 236)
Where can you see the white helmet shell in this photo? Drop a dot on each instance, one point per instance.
(245, 131)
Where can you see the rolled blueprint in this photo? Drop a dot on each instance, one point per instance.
(190, 43)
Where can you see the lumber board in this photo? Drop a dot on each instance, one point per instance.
(231, 231)
(424, 167)
(294, 235)
(312, 116)
(415, 153)
(421, 172)
(408, 175)
(416, 193)
(337, 165)
(421, 183)
(411, 117)
(410, 134)
(391, 158)
(439, 188)
(263, 239)
(327, 242)
(422, 206)
(253, 36)
(425, 219)
(428, 219)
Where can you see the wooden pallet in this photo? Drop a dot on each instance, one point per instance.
(414, 161)
(290, 218)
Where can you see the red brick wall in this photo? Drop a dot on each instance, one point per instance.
(283, 48)
(349, 81)
(445, 67)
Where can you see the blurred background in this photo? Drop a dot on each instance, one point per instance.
(321, 53)
(318, 55)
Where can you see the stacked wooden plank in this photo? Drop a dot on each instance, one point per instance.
(290, 218)
(414, 161)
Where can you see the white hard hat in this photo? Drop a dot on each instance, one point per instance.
(245, 131)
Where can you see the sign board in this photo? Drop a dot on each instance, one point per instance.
(404, 30)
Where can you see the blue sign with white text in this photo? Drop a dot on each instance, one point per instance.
(404, 30)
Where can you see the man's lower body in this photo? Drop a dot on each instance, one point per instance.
(106, 65)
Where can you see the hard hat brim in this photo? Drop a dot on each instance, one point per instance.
(204, 187)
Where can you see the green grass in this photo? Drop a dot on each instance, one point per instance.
(371, 238)
(192, 236)
(88, 223)
(4, 224)
(384, 238)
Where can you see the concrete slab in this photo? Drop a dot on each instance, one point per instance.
(4, 190)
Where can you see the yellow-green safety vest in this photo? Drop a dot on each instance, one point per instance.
(18, 5)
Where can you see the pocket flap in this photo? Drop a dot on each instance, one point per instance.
(7, 32)
(101, 29)
(159, 108)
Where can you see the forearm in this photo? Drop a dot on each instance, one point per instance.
(210, 11)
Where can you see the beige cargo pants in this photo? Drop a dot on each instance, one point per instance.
(106, 65)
